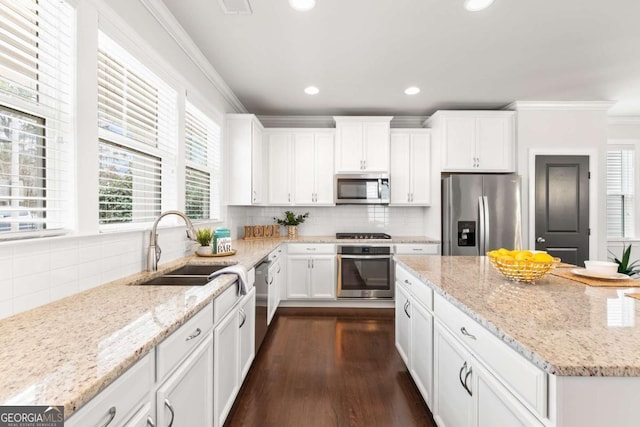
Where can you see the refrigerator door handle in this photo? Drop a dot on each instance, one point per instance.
(481, 221)
(487, 225)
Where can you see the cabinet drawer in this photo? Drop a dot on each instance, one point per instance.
(225, 301)
(180, 343)
(125, 395)
(417, 249)
(521, 376)
(420, 290)
(312, 249)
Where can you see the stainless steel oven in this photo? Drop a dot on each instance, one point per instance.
(365, 271)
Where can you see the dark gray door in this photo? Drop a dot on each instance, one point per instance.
(562, 207)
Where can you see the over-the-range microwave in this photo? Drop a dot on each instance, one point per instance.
(367, 189)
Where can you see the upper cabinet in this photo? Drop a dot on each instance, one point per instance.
(300, 163)
(475, 141)
(410, 176)
(362, 144)
(246, 173)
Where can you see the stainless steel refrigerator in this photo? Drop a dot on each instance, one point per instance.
(480, 213)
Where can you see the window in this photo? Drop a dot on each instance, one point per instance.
(620, 192)
(36, 57)
(137, 129)
(202, 158)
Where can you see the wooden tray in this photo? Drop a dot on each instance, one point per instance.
(233, 252)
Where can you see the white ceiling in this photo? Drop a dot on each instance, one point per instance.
(362, 54)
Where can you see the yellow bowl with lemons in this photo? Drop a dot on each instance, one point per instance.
(522, 265)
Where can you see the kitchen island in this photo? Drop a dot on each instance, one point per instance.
(585, 341)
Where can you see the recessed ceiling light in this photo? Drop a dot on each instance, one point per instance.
(311, 90)
(302, 5)
(412, 90)
(476, 5)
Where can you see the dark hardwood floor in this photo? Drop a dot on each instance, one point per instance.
(329, 367)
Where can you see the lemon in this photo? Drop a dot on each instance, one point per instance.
(542, 257)
(503, 251)
(493, 254)
(522, 255)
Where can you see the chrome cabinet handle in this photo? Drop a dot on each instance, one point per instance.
(417, 249)
(112, 415)
(463, 368)
(278, 272)
(408, 197)
(466, 377)
(466, 333)
(244, 318)
(312, 249)
(406, 306)
(289, 197)
(150, 422)
(193, 335)
(173, 414)
(407, 282)
(271, 281)
(312, 264)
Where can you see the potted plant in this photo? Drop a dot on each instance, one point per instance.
(291, 221)
(204, 236)
(624, 267)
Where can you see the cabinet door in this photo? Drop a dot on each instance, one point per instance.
(349, 147)
(403, 323)
(225, 366)
(421, 351)
(453, 404)
(279, 154)
(298, 277)
(274, 290)
(495, 405)
(323, 277)
(186, 397)
(376, 146)
(143, 418)
(257, 170)
(324, 169)
(459, 143)
(304, 181)
(420, 161)
(246, 327)
(400, 175)
(495, 143)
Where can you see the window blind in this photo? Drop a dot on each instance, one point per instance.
(36, 72)
(620, 193)
(137, 127)
(202, 158)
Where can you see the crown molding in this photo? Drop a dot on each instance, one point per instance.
(408, 121)
(166, 19)
(297, 121)
(624, 120)
(561, 105)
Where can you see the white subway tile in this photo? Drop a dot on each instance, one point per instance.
(27, 302)
(6, 288)
(31, 264)
(64, 257)
(30, 284)
(62, 276)
(63, 291)
(6, 308)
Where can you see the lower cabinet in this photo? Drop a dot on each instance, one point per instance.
(311, 277)
(467, 394)
(186, 397)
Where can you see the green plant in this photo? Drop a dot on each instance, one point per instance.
(291, 219)
(624, 267)
(204, 236)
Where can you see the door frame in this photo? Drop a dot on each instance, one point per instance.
(593, 192)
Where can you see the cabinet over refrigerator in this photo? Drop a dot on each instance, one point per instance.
(480, 213)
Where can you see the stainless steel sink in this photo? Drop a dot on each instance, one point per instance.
(189, 275)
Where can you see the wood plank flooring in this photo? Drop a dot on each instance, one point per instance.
(329, 367)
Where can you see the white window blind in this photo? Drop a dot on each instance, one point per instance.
(36, 72)
(137, 127)
(202, 158)
(620, 193)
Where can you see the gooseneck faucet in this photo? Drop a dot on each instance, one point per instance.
(153, 255)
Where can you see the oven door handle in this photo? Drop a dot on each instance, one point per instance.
(365, 256)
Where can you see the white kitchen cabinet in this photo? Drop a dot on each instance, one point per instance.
(311, 271)
(475, 141)
(186, 397)
(246, 172)
(362, 144)
(246, 331)
(275, 282)
(410, 174)
(403, 323)
(300, 164)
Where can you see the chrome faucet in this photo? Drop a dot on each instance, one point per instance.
(153, 255)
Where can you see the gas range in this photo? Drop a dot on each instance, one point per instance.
(363, 236)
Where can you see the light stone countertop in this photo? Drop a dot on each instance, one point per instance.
(66, 352)
(565, 327)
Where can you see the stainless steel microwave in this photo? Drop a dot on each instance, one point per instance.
(369, 189)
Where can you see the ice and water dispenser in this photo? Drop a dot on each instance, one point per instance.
(466, 233)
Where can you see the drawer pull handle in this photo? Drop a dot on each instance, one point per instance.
(406, 306)
(466, 377)
(173, 414)
(407, 282)
(417, 249)
(278, 272)
(150, 422)
(112, 415)
(462, 369)
(193, 335)
(244, 318)
(466, 333)
(311, 249)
